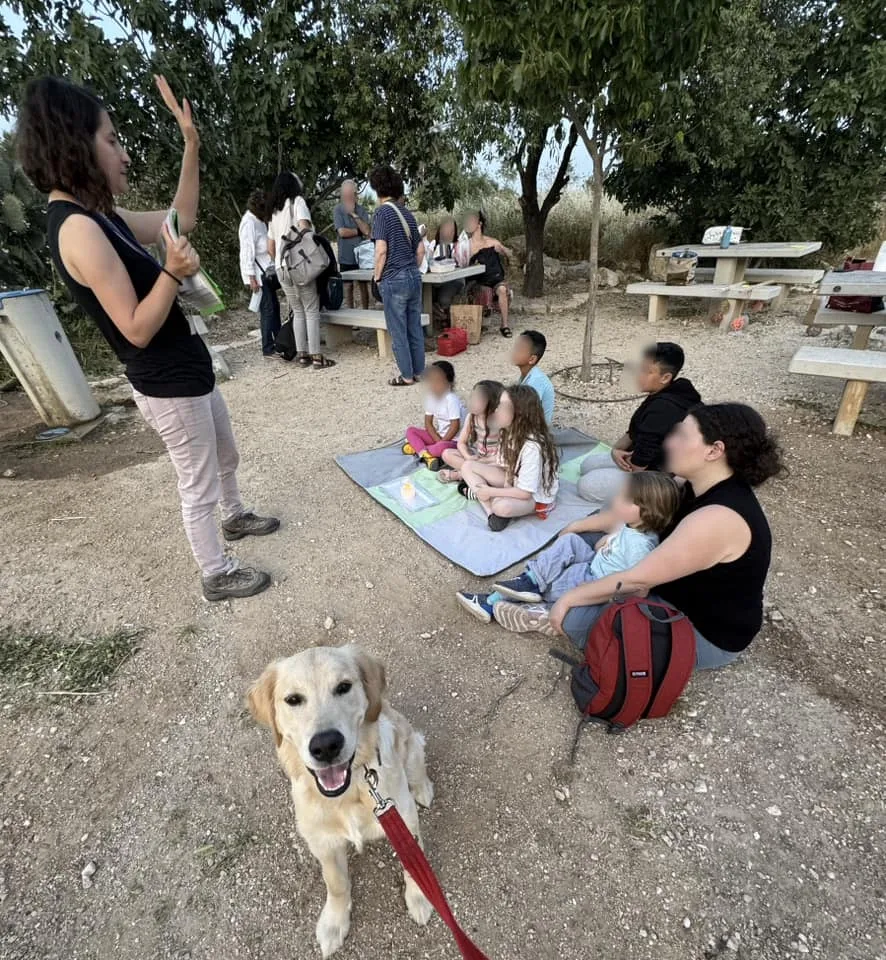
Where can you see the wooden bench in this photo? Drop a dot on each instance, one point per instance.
(858, 368)
(787, 278)
(753, 275)
(864, 323)
(338, 325)
(732, 293)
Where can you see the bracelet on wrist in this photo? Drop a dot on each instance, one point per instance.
(169, 273)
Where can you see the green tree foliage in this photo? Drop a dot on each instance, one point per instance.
(781, 127)
(327, 88)
(23, 257)
(598, 64)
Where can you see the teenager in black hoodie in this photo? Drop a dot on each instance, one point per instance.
(669, 400)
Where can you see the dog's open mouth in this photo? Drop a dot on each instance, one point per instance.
(333, 781)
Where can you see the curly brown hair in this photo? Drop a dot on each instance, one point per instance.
(529, 425)
(56, 131)
(752, 450)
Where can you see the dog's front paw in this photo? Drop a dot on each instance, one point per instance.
(424, 793)
(417, 904)
(332, 928)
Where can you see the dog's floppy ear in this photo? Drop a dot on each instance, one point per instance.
(372, 673)
(260, 700)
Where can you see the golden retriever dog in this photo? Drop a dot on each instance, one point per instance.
(326, 709)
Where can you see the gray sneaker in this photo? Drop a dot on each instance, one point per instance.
(249, 525)
(239, 582)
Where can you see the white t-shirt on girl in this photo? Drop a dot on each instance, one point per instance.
(530, 474)
(283, 219)
(444, 410)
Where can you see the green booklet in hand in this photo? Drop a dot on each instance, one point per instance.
(200, 292)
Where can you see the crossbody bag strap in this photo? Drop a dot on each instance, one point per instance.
(400, 217)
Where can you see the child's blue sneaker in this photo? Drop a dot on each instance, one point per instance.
(477, 605)
(522, 588)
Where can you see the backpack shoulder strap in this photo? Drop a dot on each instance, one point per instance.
(400, 217)
(636, 638)
(679, 668)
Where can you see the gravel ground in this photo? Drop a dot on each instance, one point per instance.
(748, 824)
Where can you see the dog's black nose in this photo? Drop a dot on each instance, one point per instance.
(326, 745)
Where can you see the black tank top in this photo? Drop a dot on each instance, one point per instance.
(725, 603)
(176, 362)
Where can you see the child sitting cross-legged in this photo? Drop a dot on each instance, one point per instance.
(480, 436)
(524, 480)
(443, 418)
(641, 511)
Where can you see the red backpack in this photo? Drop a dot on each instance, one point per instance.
(638, 659)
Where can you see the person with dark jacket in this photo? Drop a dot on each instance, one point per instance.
(668, 400)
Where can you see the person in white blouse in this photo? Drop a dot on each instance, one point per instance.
(287, 208)
(257, 269)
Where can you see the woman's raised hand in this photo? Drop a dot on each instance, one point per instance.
(181, 111)
(182, 259)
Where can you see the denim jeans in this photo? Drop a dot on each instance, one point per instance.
(401, 296)
(269, 314)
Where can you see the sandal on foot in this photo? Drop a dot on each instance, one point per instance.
(303, 360)
(320, 362)
(466, 491)
(398, 381)
(497, 524)
(507, 332)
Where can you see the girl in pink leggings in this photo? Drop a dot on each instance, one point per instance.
(443, 418)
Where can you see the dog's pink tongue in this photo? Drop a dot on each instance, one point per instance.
(333, 778)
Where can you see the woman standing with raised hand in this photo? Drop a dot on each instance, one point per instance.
(70, 149)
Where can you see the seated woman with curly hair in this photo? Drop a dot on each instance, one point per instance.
(713, 564)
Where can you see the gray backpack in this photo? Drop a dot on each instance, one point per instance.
(302, 259)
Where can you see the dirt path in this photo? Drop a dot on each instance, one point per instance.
(749, 824)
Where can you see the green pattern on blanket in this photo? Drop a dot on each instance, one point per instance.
(451, 501)
(571, 469)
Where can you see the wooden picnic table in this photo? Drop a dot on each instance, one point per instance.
(428, 281)
(732, 261)
(858, 366)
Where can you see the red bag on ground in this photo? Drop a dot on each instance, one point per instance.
(638, 659)
(453, 340)
(856, 304)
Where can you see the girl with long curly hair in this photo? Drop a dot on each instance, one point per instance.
(526, 481)
(69, 147)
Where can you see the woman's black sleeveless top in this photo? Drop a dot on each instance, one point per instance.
(725, 602)
(176, 363)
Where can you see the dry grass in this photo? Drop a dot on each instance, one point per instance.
(73, 665)
(624, 237)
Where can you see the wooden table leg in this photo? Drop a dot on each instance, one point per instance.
(862, 335)
(658, 308)
(850, 407)
(726, 270)
(733, 308)
(427, 300)
(385, 346)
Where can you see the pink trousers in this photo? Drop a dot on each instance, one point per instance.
(420, 440)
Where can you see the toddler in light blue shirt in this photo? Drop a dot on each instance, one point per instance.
(641, 512)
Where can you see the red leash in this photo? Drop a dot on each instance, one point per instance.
(416, 865)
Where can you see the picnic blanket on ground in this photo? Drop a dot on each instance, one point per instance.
(456, 527)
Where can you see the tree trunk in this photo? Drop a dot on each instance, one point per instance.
(534, 277)
(587, 352)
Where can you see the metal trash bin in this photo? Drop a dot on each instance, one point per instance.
(35, 346)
